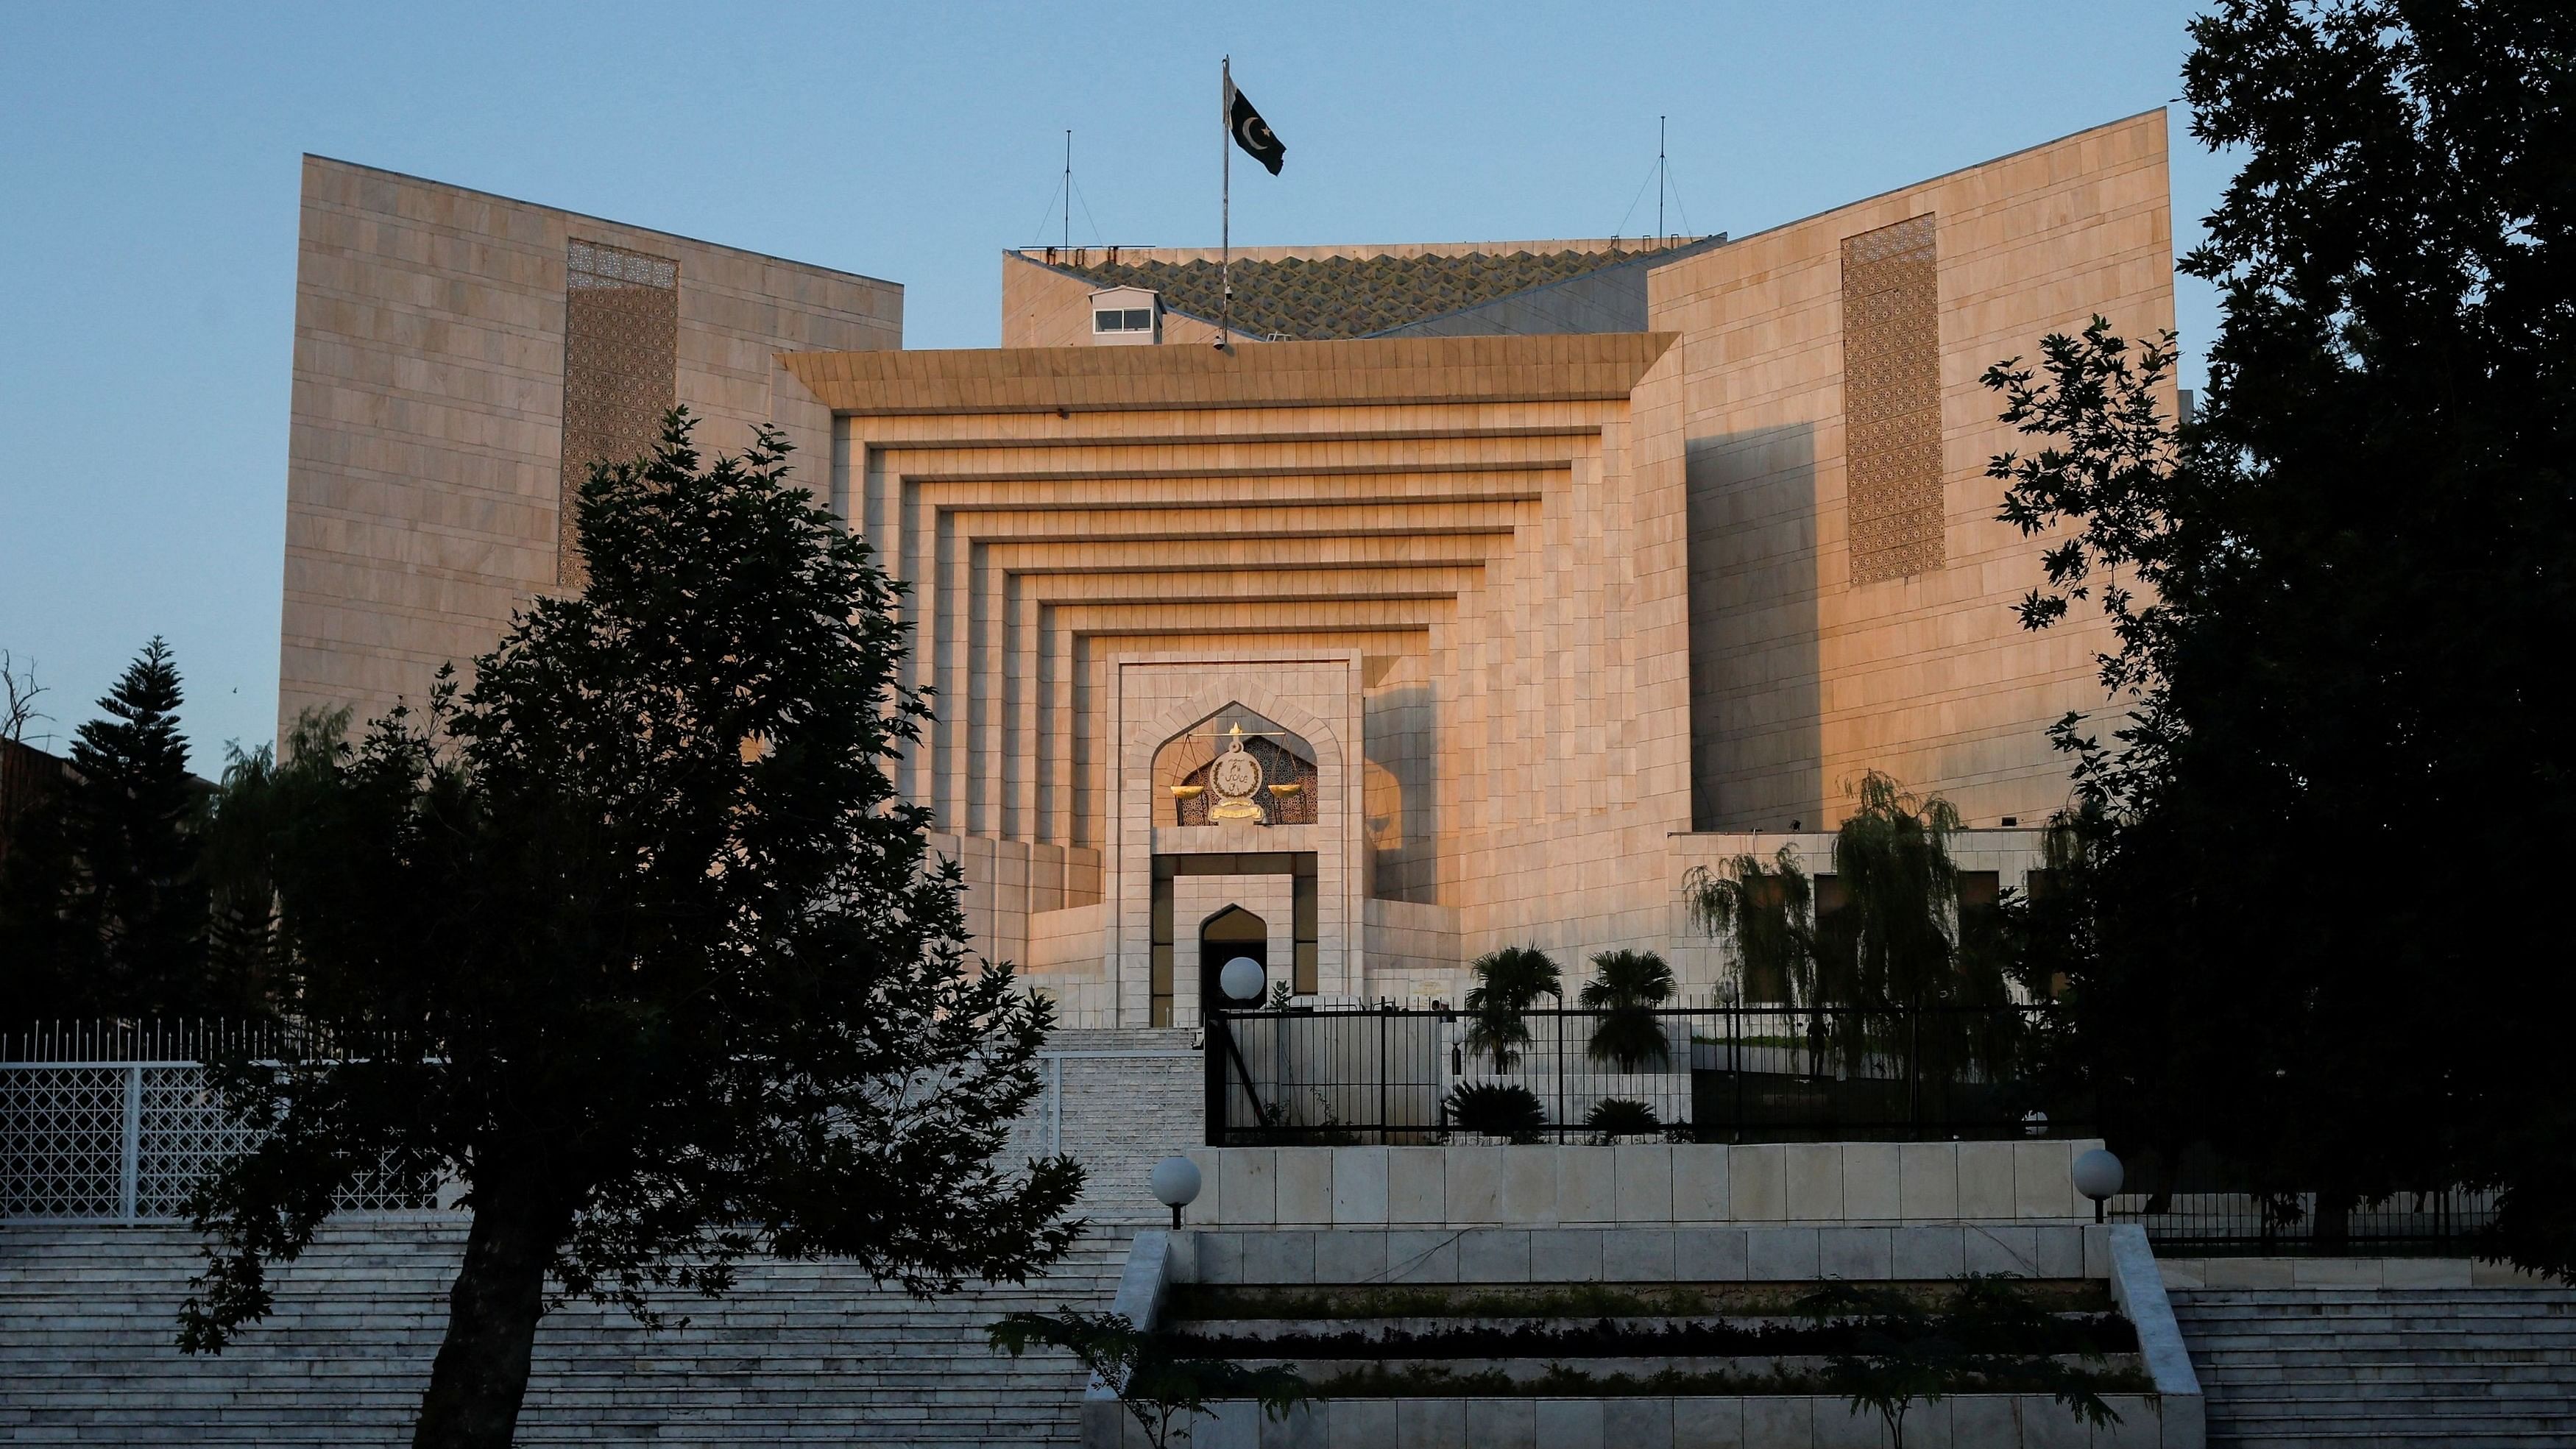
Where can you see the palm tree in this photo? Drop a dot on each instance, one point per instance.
(1627, 989)
(1508, 982)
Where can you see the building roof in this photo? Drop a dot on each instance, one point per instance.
(1413, 370)
(1332, 297)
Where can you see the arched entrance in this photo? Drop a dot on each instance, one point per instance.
(1229, 933)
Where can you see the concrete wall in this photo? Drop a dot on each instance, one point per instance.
(1802, 680)
(1491, 528)
(1596, 586)
(1516, 733)
(1842, 1183)
(422, 455)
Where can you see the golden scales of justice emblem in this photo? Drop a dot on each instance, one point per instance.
(1236, 775)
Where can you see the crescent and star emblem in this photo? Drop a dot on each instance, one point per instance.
(1254, 133)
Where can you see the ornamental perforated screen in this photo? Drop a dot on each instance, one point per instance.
(1892, 400)
(621, 370)
(62, 1143)
(128, 1141)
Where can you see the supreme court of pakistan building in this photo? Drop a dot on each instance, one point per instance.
(1471, 597)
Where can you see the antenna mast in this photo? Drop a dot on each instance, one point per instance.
(1068, 190)
(1659, 177)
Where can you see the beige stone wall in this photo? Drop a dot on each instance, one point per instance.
(1489, 530)
(1802, 678)
(422, 486)
(1823, 1184)
(1550, 604)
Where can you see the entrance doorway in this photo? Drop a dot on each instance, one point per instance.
(1229, 933)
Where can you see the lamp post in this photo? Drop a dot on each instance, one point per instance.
(1176, 1184)
(2098, 1174)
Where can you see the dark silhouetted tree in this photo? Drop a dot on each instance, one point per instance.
(1626, 988)
(1509, 982)
(633, 940)
(103, 904)
(2338, 598)
(1766, 912)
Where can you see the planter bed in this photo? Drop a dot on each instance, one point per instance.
(1616, 1377)
(1584, 1302)
(1649, 1421)
(1726, 1338)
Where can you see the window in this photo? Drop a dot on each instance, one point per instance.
(1123, 319)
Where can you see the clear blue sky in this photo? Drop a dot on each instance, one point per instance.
(148, 172)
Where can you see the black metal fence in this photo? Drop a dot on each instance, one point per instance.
(2435, 1223)
(1704, 1073)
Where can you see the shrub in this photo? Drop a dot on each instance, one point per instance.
(1616, 1117)
(1496, 1109)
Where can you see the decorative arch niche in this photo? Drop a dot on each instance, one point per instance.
(1187, 792)
(1172, 716)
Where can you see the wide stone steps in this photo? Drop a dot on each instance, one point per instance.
(799, 1353)
(2384, 1366)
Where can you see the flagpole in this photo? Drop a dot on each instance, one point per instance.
(1225, 206)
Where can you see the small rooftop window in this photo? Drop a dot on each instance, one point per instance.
(1127, 319)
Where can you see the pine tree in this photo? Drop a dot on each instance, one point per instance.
(103, 909)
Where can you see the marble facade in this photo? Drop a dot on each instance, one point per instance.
(1552, 616)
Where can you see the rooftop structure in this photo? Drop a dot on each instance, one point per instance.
(1315, 294)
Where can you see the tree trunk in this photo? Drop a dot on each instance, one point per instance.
(482, 1368)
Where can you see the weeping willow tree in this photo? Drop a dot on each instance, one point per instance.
(1894, 946)
(1895, 942)
(1889, 944)
(1508, 982)
(1765, 911)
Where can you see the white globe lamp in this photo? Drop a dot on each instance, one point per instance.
(1176, 1184)
(2098, 1174)
(1241, 979)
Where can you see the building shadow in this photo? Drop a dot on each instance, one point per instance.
(1757, 731)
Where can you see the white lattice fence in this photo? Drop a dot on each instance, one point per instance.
(125, 1142)
(64, 1142)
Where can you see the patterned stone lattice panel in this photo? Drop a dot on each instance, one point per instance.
(184, 1135)
(62, 1142)
(621, 370)
(63, 1145)
(1892, 400)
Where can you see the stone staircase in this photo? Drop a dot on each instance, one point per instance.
(2460, 1367)
(800, 1352)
